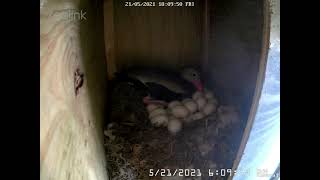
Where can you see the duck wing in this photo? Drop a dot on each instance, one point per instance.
(169, 79)
(160, 92)
(136, 83)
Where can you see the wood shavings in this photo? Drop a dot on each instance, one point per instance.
(132, 150)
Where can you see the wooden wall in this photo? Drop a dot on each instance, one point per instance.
(71, 125)
(260, 78)
(154, 36)
(235, 30)
(71, 144)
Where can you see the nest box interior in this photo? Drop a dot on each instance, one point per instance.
(226, 40)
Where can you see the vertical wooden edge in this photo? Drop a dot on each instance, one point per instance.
(206, 15)
(109, 34)
(259, 84)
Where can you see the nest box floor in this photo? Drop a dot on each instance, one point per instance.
(133, 149)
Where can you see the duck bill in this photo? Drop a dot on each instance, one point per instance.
(198, 85)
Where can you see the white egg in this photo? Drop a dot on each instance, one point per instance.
(197, 95)
(174, 125)
(173, 104)
(191, 105)
(179, 111)
(152, 107)
(197, 116)
(160, 120)
(201, 102)
(156, 112)
(209, 108)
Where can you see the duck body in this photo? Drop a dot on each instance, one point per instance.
(160, 92)
(158, 84)
(169, 79)
(122, 77)
(154, 90)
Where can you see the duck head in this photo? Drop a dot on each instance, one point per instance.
(193, 76)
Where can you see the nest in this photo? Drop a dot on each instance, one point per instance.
(132, 153)
(127, 105)
(133, 146)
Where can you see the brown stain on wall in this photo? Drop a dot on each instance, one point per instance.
(66, 46)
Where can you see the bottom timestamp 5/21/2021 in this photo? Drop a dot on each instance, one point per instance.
(190, 172)
(158, 4)
(174, 172)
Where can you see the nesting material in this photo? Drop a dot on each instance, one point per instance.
(212, 165)
(109, 135)
(132, 153)
(227, 115)
(176, 177)
(205, 149)
(132, 150)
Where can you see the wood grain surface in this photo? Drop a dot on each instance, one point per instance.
(169, 37)
(71, 146)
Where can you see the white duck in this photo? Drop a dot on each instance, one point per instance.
(163, 86)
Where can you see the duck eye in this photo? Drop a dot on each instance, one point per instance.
(194, 75)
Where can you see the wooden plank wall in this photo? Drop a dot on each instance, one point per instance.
(156, 36)
(259, 82)
(71, 144)
(237, 52)
(234, 50)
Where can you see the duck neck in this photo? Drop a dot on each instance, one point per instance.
(198, 84)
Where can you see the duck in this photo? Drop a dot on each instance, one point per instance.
(162, 86)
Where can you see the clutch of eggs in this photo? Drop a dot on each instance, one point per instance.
(156, 112)
(158, 115)
(206, 101)
(178, 110)
(199, 106)
(190, 104)
(159, 121)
